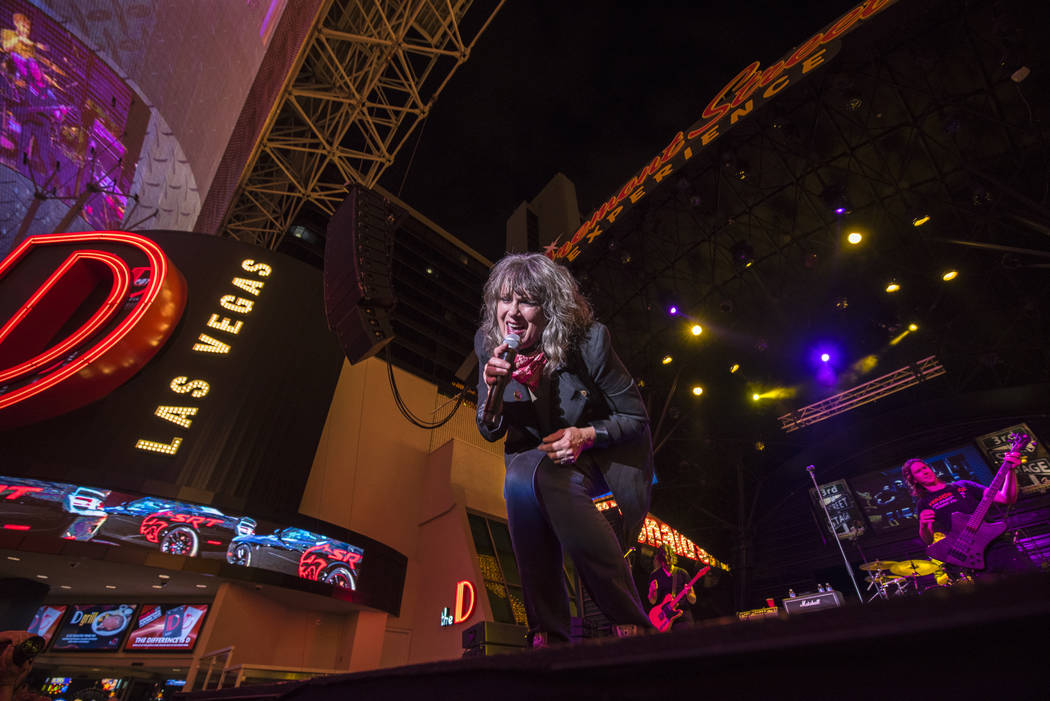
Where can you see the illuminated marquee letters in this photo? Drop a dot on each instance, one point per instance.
(143, 296)
(182, 415)
(736, 100)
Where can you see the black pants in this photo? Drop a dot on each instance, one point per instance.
(550, 513)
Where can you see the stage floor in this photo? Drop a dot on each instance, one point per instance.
(981, 641)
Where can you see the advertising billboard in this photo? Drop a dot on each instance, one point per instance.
(231, 404)
(45, 621)
(242, 542)
(166, 627)
(98, 627)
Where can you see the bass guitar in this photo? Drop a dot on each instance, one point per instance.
(664, 613)
(970, 535)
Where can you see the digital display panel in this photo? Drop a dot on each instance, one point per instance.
(68, 118)
(845, 518)
(1033, 476)
(94, 627)
(45, 621)
(885, 500)
(53, 686)
(112, 518)
(166, 627)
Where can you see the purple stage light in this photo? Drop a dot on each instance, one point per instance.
(672, 310)
(840, 210)
(824, 357)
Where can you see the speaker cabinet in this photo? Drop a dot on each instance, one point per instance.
(358, 285)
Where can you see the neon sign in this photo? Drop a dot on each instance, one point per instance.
(140, 308)
(180, 415)
(464, 607)
(736, 100)
(655, 533)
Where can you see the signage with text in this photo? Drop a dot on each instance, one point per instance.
(737, 99)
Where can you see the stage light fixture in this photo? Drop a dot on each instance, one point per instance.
(672, 310)
(834, 197)
(760, 446)
(733, 368)
(893, 286)
(696, 330)
(755, 396)
(950, 275)
(825, 357)
(855, 237)
(920, 220)
(742, 253)
(698, 390)
(667, 360)
(913, 327)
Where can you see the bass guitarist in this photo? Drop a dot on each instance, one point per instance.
(668, 580)
(936, 501)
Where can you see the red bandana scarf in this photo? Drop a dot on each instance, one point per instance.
(528, 369)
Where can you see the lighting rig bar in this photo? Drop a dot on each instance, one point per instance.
(908, 376)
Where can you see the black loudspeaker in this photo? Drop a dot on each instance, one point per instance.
(358, 285)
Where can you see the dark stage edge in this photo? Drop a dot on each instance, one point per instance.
(985, 641)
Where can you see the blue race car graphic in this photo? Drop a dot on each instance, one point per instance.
(301, 553)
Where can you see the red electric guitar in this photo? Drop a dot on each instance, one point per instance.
(664, 613)
(970, 534)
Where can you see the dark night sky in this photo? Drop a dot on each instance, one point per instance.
(591, 89)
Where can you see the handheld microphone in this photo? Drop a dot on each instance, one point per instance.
(494, 402)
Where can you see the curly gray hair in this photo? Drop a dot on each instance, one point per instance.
(536, 277)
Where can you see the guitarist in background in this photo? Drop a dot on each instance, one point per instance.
(667, 579)
(936, 501)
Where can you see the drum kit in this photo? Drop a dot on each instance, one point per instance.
(888, 578)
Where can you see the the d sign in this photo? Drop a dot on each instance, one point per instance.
(80, 314)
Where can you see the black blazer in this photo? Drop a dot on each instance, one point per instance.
(593, 388)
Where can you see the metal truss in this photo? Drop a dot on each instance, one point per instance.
(930, 122)
(891, 383)
(369, 73)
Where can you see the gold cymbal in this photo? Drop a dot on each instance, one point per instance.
(877, 565)
(906, 568)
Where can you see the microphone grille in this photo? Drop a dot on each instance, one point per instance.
(512, 340)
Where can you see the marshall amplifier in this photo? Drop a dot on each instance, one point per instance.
(812, 602)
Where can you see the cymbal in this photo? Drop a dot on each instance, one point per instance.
(877, 565)
(916, 567)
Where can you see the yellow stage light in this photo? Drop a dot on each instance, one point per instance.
(950, 275)
(733, 368)
(913, 327)
(755, 396)
(697, 329)
(894, 286)
(698, 390)
(667, 360)
(919, 221)
(759, 445)
(855, 237)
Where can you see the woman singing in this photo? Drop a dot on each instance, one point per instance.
(576, 427)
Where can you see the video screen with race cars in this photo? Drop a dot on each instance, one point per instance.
(88, 514)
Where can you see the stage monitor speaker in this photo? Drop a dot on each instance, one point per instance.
(358, 280)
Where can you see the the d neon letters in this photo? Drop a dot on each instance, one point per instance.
(45, 376)
(464, 589)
